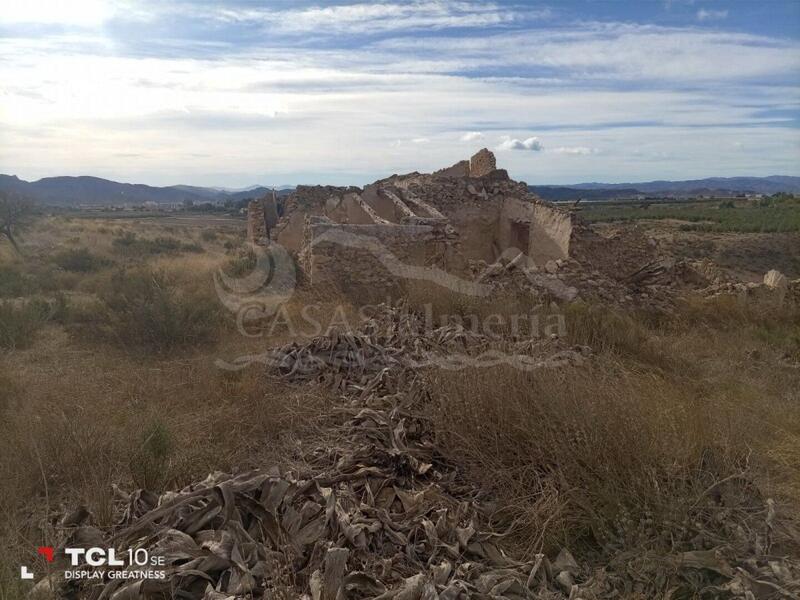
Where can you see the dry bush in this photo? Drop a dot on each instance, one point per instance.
(629, 336)
(142, 309)
(600, 460)
(15, 281)
(634, 453)
(80, 260)
(129, 244)
(88, 421)
(735, 311)
(208, 235)
(19, 321)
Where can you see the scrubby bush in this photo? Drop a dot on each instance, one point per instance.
(20, 321)
(15, 282)
(80, 260)
(141, 309)
(150, 462)
(241, 265)
(601, 459)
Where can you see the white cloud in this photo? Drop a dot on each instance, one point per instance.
(381, 17)
(531, 143)
(77, 103)
(617, 52)
(711, 15)
(471, 136)
(575, 150)
(82, 13)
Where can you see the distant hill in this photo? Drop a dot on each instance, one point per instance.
(711, 186)
(85, 190)
(554, 193)
(71, 191)
(758, 185)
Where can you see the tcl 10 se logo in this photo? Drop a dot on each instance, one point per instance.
(137, 563)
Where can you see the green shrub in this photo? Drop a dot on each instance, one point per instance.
(20, 321)
(80, 260)
(208, 235)
(141, 309)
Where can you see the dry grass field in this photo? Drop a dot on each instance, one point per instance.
(110, 330)
(109, 334)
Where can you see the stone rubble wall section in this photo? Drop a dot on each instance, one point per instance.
(306, 200)
(460, 169)
(482, 163)
(257, 224)
(372, 257)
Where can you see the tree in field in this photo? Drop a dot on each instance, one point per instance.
(16, 213)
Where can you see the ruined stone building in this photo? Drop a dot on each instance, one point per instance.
(468, 213)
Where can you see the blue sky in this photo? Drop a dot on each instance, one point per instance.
(235, 93)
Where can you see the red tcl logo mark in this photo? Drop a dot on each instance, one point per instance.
(46, 551)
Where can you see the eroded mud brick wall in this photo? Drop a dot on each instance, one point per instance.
(306, 200)
(256, 224)
(371, 257)
(472, 206)
(262, 217)
(482, 163)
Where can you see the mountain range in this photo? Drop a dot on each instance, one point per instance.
(85, 190)
(711, 186)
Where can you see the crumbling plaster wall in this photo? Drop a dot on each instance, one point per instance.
(374, 256)
(306, 200)
(550, 229)
(551, 232)
(348, 208)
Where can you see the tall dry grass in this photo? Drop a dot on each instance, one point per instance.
(628, 454)
(77, 423)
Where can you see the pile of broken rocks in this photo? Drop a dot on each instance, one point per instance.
(654, 285)
(381, 514)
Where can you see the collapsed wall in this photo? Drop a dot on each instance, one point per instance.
(262, 217)
(471, 211)
(370, 257)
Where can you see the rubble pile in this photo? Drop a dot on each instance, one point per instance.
(653, 285)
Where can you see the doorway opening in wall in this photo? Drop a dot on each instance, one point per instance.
(520, 235)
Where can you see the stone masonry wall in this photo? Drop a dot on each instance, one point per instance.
(482, 163)
(372, 257)
(257, 224)
(471, 205)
